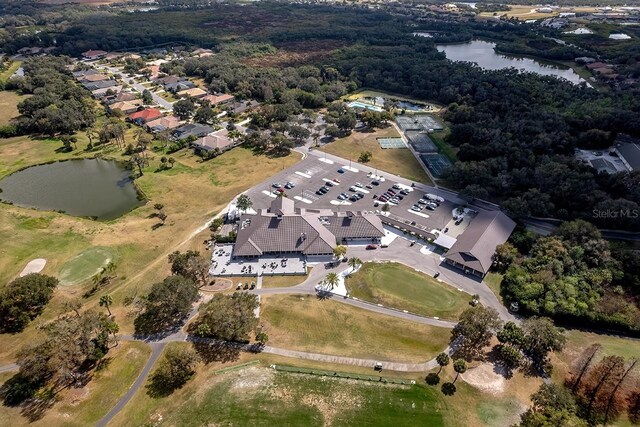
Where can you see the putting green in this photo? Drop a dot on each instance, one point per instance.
(85, 265)
(395, 285)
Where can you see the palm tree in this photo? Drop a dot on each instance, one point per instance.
(106, 301)
(460, 366)
(331, 279)
(354, 262)
(443, 360)
(171, 161)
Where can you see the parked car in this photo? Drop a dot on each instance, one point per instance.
(391, 191)
(341, 197)
(369, 186)
(289, 185)
(359, 196)
(395, 200)
(357, 184)
(416, 208)
(430, 207)
(374, 182)
(354, 198)
(340, 170)
(329, 184)
(319, 193)
(353, 188)
(459, 221)
(372, 247)
(404, 192)
(276, 185)
(423, 202)
(397, 186)
(336, 180)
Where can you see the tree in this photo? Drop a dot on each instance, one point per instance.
(166, 305)
(511, 334)
(541, 338)
(506, 253)
(106, 301)
(299, 133)
(460, 366)
(147, 98)
(332, 131)
(552, 405)
(331, 280)
(339, 251)
(354, 263)
(474, 330)
(171, 161)
(191, 265)
(510, 356)
(136, 160)
(177, 367)
(244, 203)
(24, 299)
(227, 317)
(184, 108)
(443, 360)
(346, 122)
(365, 156)
(66, 349)
(205, 115)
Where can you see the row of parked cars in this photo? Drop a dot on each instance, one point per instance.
(429, 201)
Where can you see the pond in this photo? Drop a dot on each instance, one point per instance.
(483, 54)
(95, 188)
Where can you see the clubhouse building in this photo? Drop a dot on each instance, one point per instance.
(283, 229)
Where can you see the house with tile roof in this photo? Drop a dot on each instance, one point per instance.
(164, 123)
(474, 249)
(144, 116)
(283, 229)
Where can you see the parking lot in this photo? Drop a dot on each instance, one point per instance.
(309, 175)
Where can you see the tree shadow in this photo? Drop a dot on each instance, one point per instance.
(215, 350)
(155, 226)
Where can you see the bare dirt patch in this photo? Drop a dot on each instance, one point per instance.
(295, 53)
(252, 378)
(486, 377)
(218, 285)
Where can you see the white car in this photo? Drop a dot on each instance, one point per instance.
(357, 184)
(353, 188)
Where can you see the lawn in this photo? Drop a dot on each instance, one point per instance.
(85, 265)
(395, 285)
(282, 281)
(259, 395)
(4, 75)
(399, 161)
(86, 405)
(9, 106)
(329, 327)
(493, 280)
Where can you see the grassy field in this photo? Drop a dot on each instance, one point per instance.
(282, 281)
(399, 161)
(8, 106)
(4, 75)
(85, 265)
(395, 285)
(329, 327)
(493, 280)
(86, 405)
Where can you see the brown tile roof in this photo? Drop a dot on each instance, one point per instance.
(218, 99)
(354, 226)
(195, 92)
(167, 122)
(475, 247)
(126, 106)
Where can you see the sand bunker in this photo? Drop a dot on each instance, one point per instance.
(34, 266)
(485, 377)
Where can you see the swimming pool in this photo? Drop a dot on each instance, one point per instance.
(358, 104)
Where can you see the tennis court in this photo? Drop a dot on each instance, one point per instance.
(437, 163)
(391, 143)
(418, 122)
(421, 142)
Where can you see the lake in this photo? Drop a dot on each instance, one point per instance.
(483, 54)
(94, 188)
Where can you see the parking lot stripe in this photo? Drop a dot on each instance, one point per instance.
(350, 169)
(362, 190)
(303, 174)
(303, 200)
(418, 213)
(268, 193)
(327, 161)
(338, 202)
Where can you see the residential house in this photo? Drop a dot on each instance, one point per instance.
(628, 149)
(101, 84)
(597, 65)
(96, 77)
(107, 91)
(176, 87)
(29, 51)
(219, 99)
(126, 107)
(192, 130)
(216, 141)
(144, 116)
(122, 97)
(201, 53)
(474, 249)
(195, 92)
(92, 55)
(164, 123)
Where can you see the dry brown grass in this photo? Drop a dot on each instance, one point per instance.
(399, 161)
(9, 106)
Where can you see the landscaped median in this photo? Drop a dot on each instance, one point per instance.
(397, 286)
(307, 323)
